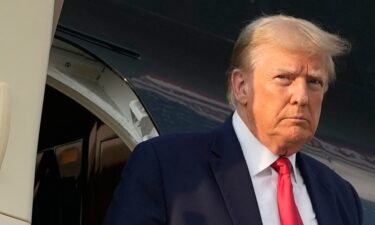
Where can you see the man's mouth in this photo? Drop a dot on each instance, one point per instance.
(297, 118)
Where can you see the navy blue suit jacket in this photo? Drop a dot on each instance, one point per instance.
(203, 179)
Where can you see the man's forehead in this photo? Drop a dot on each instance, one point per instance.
(291, 61)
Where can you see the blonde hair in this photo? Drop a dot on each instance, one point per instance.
(290, 33)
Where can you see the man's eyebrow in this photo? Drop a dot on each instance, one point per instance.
(294, 71)
(290, 71)
(317, 73)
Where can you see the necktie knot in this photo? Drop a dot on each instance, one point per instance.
(282, 166)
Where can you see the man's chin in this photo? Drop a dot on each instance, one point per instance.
(296, 138)
(300, 138)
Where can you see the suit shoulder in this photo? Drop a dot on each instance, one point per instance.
(178, 142)
(327, 175)
(320, 168)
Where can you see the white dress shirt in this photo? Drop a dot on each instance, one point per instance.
(259, 160)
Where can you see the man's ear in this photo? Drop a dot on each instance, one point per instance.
(239, 86)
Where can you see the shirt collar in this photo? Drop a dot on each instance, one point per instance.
(258, 157)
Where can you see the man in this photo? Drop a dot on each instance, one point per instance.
(249, 171)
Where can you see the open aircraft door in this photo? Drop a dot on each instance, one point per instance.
(26, 30)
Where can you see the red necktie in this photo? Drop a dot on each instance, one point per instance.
(285, 200)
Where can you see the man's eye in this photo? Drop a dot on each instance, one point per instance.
(282, 77)
(316, 82)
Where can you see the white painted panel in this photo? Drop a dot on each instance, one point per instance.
(25, 37)
(6, 220)
(4, 118)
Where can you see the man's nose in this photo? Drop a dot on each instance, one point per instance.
(299, 92)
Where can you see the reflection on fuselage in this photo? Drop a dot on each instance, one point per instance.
(355, 167)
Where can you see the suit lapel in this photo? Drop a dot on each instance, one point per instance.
(320, 195)
(232, 176)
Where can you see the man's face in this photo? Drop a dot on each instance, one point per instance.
(282, 98)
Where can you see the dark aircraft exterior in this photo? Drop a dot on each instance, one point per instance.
(121, 72)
